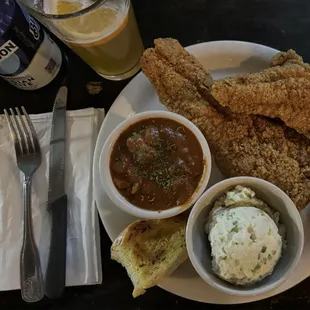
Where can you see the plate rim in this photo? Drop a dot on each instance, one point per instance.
(97, 153)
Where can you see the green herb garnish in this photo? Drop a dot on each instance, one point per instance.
(143, 174)
(135, 135)
(235, 229)
(258, 266)
(264, 249)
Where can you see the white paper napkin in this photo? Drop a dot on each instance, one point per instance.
(83, 238)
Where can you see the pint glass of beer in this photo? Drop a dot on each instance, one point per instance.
(104, 33)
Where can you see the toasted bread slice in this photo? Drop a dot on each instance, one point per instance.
(151, 250)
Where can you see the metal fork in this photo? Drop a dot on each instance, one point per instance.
(28, 157)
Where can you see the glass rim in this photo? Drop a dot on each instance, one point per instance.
(96, 4)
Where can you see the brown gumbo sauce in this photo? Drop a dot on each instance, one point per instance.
(157, 164)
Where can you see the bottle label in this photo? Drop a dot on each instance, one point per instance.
(7, 49)
(29, 58)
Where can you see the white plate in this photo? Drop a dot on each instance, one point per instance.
(223, 58)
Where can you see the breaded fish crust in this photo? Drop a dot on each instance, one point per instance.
(281, 91)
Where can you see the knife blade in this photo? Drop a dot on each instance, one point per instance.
(55, 278)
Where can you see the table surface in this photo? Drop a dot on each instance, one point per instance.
(281, 24)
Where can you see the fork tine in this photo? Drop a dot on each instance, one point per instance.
(31, 131)
(16, 141)
(26, 132)
(20, 133)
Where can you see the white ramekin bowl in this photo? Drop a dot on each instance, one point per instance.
(122, 202)
(199, 248)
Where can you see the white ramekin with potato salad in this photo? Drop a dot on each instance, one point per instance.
(244, 236)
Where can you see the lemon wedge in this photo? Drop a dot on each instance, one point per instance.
(96, 27)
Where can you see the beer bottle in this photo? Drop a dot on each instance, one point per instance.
(29, 58)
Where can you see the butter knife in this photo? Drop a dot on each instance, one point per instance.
(55, 278)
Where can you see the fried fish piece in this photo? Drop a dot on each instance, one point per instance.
(281, 91)
(241, 144)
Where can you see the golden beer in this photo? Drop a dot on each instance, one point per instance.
(106, 37)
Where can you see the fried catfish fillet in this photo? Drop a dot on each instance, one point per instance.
(281, 91)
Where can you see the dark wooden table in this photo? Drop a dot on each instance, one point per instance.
(281, 24)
